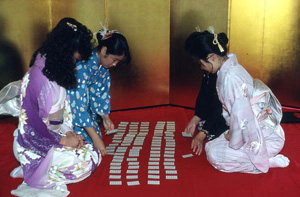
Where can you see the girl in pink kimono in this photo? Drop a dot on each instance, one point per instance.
(252, 112)
(50, 155)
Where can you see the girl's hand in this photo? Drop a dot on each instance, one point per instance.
(197, 143)
(191, 126)
(70, 140)
(101, 147)
(107, 123)
(227, 136)
(80, 138)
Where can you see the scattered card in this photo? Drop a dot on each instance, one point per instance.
(188, 155)
(184, 134)
(111, 132)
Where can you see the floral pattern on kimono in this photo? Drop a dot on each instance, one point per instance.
(91, 97)
(235, 91)
(45, 163)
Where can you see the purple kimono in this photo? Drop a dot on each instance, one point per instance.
(45, 117)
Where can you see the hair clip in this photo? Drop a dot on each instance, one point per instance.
(211, 30)
(74, 27)
(105, 33)
(198, 29)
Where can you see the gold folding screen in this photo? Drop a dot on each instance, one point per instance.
(146, 25)
(263, 33)
(186, 75)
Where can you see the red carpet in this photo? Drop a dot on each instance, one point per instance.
(196, 177)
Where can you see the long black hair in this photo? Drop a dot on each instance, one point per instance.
(116, 44)
(200, 44)
(69, 36)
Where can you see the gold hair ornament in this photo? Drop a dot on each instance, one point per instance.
(215, 40)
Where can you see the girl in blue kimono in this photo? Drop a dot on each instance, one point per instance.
(91, 96)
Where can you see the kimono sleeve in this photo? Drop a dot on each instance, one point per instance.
(243, 125)
(45, 102)
(99, 95)
(79, 97)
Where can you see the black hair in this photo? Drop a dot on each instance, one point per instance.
(200, 44)
(69, 36)
(116, 44)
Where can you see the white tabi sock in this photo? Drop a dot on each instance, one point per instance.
(279, 161)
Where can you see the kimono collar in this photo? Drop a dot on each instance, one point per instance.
(232, 61)
(40, 61)
(95, 56)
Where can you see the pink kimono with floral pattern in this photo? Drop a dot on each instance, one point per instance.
(253, 115)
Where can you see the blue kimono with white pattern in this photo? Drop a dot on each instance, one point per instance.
(91, 97)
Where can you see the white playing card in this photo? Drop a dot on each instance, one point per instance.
(169, 159)
(114, 176)
(120, 154)
(154, 155)
(115, 167)
(131, 183)
(172, 149)
(154, 159)
(117, 160)
(171, 177)
(133, 167)
(150, 176)
(132, 177)
(118, 157)
(150, 163)
(153, 171)
(115, 182)
(168, 155)
(132, 171)
(155, 148)
(150, 182)
(133, 163)
(131, 159)
(116, 141)
(184, 134)
(111, 132)
(169, 163)
(169, 167)
(115, 171)
(171, 171)
(188, 155)
(153, 167)
(115, 164)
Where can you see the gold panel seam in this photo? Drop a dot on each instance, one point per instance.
(50, 15)
(106, 14)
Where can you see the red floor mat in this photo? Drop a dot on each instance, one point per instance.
(196, 177)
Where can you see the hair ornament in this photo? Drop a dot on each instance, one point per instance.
(211, 30)
(74, 27)
(198, 29)
(105, 33)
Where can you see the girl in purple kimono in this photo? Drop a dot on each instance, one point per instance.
(252, 112)
(51, 155)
